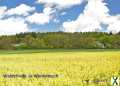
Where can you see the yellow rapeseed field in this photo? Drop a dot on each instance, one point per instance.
(77, 68)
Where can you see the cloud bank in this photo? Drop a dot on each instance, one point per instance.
(62, 3)
(94, 17)
(22, 10)
(95, 13)
(12, 26)
(9, 24)
(41, 18)
(15, 20)
(2, 11)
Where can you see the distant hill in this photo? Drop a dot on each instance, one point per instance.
(77, 40)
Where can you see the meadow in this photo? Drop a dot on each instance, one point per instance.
(51, 67)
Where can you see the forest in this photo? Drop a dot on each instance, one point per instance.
(51, 40)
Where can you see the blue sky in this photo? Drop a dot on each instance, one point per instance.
(114, 6)
(51, 15)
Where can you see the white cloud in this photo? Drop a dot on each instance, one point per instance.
(114, 24)
(95, 13)
(2, 11)
(63, 13)
(48, 11)
(56, 20)
(38, 18)
(20, 10)
(41, 18)
(12, 26)
(62, 3)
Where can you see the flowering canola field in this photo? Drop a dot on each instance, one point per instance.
(77, 68)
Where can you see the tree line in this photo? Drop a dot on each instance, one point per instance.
(77, 40)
